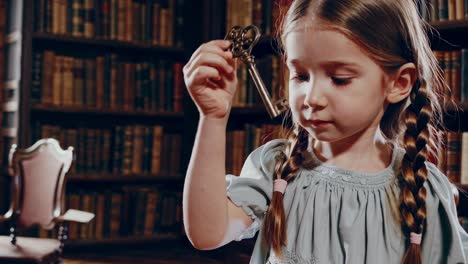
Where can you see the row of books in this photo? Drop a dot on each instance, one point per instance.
(240, 143)
(122, 150)
(444, 10)
(262, 13)
(453, 159)
(106, 82)
(129, 212)
(156, 22)
(265, 13)
(455, 67)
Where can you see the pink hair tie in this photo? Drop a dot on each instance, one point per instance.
(280, 185)
(415, 238)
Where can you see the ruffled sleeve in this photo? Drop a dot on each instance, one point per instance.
(252, 190)
(446, 234)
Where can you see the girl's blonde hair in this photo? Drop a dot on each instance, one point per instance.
(393, 33)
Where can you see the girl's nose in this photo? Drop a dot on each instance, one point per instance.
(315, 97)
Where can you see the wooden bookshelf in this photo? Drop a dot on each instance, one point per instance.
(92, 121)
(97, 112)
(47, 39)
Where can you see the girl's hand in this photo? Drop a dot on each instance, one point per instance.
(211, 79)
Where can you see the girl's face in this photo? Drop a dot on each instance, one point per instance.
(335, 89)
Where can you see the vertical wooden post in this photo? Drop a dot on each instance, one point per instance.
(11, 87)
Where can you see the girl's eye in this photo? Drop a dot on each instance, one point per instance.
(300, 77)
(341, 81)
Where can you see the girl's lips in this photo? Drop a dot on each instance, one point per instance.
(318, 122)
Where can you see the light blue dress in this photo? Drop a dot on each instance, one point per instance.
(340, 216)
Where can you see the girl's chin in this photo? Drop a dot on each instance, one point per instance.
(324, 136)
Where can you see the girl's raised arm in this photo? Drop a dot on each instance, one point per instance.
(210, 219)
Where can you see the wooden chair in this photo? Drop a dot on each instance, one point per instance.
(37, 199)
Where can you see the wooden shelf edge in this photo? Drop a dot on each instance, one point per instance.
(449, 24)
(463, 187)
(124, 240)
(250, 109)
(460, 106)
(166, 178)
(101, 112)
(40, 36)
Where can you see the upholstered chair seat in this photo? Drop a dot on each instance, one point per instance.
(37, 199)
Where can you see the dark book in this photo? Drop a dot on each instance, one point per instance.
(443, 10)
(127, 216)
(77, 20)
(147, 143)
(179, 87)
(127, 157)
(90, 77)
(115, 216)
(106, 151)
(162, 67)
(106, 20)
(150, 220)
(36, 79)
(117, 149)
(79, 82)
(74, 228)
(156, 22)
(179, 23)
(156, 150)
(456, 75)
(99, 217)
(453, 156)
(464, 75)
(137, 156)
(169, 88)
(85, 206)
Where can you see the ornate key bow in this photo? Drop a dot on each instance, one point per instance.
(243, 40)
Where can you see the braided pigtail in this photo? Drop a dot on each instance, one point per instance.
(285, 170)
(414, 171)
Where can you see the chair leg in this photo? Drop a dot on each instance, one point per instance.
(58, 261)
(13, 233)
(62, 237)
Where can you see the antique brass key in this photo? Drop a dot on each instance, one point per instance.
(243, 40)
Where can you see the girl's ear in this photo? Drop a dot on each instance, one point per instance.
(402, 83)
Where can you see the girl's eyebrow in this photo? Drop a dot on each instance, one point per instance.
(293, 62)
(351, 66)
(348, 65)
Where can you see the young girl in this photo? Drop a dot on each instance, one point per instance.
(352, 184)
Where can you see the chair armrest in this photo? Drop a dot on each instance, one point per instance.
(7, 216)
(72, 215)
